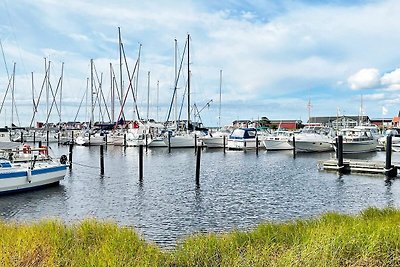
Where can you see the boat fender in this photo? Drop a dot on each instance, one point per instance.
(29, 175)
(26, 149)
(63, 159)
(44, 150)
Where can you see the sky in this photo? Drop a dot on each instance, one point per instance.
(275, 57)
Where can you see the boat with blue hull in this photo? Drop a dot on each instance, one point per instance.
(24, 169)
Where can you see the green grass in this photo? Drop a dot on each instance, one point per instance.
(370, 239)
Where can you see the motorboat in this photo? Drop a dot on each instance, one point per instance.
(183, 139)
(357, 140)
(278, 140)
(313, 139)
(243, 139)
(90, 139)
(28, 168)
(216, 139)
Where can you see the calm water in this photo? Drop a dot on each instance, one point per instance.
(237, 190)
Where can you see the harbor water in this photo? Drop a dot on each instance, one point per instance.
(237, 190)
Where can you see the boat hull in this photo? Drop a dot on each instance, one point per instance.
(16, 180)
(270, 144)
(360, 147)
(312, 146)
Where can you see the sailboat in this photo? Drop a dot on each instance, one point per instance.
(219, 138)
(188, 138)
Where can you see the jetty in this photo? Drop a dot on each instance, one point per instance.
(360, 166)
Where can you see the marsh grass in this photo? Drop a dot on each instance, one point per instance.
(370, 239)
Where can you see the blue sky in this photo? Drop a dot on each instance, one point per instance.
(275, 55)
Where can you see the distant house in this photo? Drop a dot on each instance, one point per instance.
(383, 122)
(287, 124)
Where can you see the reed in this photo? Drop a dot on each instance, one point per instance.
(371, 238)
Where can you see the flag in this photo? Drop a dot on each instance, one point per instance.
(384, 110)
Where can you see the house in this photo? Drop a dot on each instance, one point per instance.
(383, 122)
(241, 123)
(287, 124)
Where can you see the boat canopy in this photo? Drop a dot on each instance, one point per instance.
(243, 133)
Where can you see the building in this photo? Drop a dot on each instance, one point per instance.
(287, 124)
(339, 122)
(383, 122)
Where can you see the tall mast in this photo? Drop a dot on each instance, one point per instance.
(120, 62)
(220, 93)
(91, 93)
(112, 94)
(148, 95)
(61, 84)
(158, 95)
(137, 79)
(12, 97)
(176, 84)
(188, 85)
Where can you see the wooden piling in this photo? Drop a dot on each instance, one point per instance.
(294, 146)
(73, 141)
(40, 143)
(198, 158)
(224, 143)
(340, 152)
(22, 137)
(70, 155)
(58, 138)
(169, 142)
(195, 143)
(105, 138)
(124, 139)
(389, 169)
(47, 137)
(102, 159)
(257, 145)
(146, 143)
(34, 137)
(140, 163)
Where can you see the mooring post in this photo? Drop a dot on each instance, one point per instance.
(294, 146)
(34, 137)
(22, 137)
(195, 143)
(105, 139)
(224, 143)
(73, 141)
(388, 162)
(58, 139)
(146, 143)
(340, 152)
(124, 139)
(47, 137)
(70, 155)
(198, 158)
(89, 138)
(101, 159)
(140, 163)
(257, 145)
(337, 147)
(169, 141)
(40, 143)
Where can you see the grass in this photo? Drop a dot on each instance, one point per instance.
(371, 238)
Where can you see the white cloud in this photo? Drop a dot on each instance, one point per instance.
(364, 79)
(391, 79)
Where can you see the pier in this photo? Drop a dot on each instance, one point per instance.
(360, 166)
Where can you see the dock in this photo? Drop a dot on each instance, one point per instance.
(360, 166)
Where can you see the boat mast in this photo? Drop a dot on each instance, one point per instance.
(220, 93)
(120, 64)
(12, 97)
(158, 95)
(112, 94)
(188, 84)
(61, 84)
(148, 96)
(176, 84)
(91, 93)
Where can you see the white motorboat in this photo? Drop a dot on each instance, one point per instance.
(313, 139)
(216, 139)
(278, 140)
(243, 139)
(357, 140)
(29, 168)
(89, 139)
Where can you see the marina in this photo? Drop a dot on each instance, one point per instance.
(236, 190)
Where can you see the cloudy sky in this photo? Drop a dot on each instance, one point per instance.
(275, 56)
